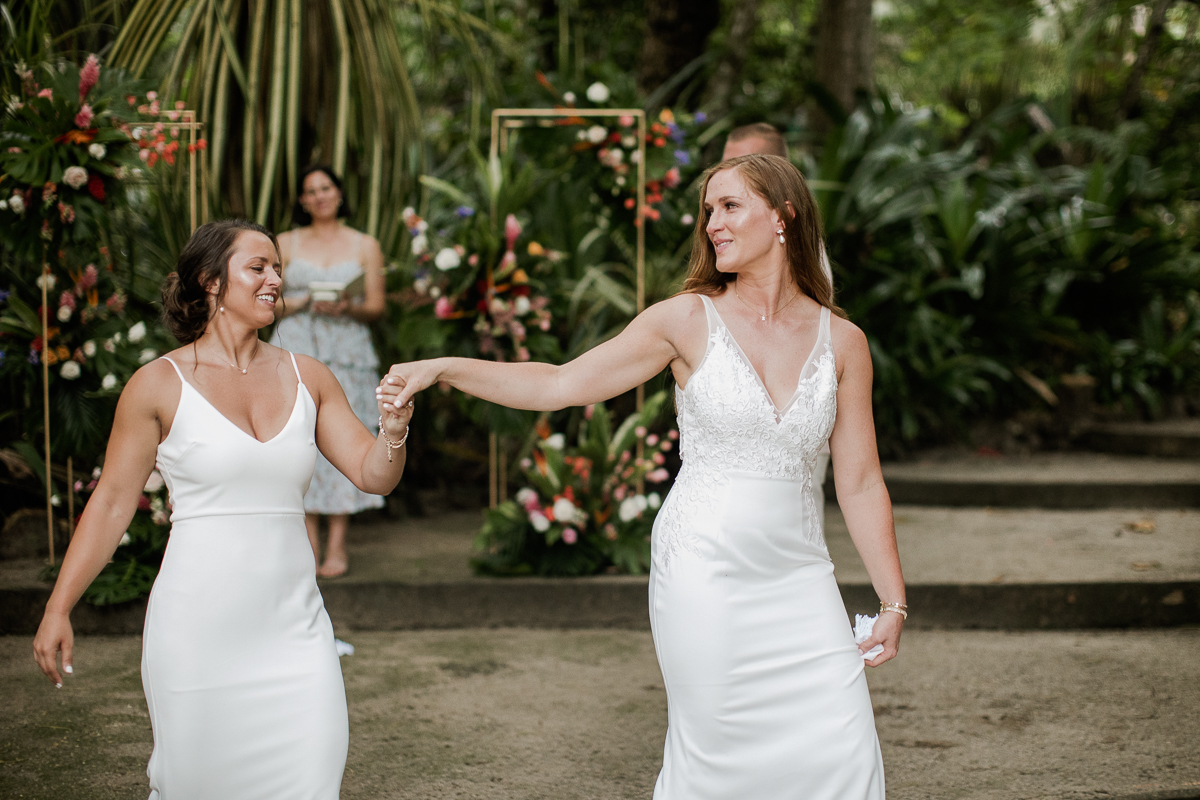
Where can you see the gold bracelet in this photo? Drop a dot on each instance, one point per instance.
(388, 442)
(899, 608)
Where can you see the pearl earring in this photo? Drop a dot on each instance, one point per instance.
(222, 309)
(780, 233)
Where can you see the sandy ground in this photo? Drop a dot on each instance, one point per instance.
(581, 714)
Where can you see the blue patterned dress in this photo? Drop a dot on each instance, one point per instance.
(344, 345)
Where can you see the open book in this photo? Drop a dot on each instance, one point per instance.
(332, 291)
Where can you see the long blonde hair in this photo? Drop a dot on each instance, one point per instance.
(778, 182)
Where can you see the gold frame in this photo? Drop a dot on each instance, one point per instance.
(518, 118)
(185, 120)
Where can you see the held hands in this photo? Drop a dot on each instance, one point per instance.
(887, 633)
(403, 381)
(54, 635)
(395, 417)
(328, 308)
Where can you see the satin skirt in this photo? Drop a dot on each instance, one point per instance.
(766, 691)
(238, 663)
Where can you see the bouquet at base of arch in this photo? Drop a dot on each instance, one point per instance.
(580, 512)
(135, 564)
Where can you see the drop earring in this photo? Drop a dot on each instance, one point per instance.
(780, 233)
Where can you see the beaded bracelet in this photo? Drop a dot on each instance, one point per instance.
(388, 442)
(899, 608)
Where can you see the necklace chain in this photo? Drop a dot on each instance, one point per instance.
(762, 315)
(248, 363)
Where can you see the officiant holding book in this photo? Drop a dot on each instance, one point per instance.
(333, 286)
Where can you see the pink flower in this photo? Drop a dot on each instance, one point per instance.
(673, 434)
(625, 120)
(589, 410)
(523, 354)
(639, 431)
(658, 476)
(570, 536)
(89, 278)
(116, 303)
(659, 459)
(67, 299)
(473, 259)
(652, 440)
(88, 76)
(512, 229)
(443, 308)
(46, 93)
(672, 178)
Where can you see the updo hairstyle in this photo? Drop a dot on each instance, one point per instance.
(301, 217)
(205, 258)
(777, 181)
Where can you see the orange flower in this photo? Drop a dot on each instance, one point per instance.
(78, 137)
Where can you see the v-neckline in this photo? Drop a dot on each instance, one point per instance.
(295, 404)
(780, 413)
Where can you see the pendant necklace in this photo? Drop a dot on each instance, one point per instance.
(762, 315)
(248, 363)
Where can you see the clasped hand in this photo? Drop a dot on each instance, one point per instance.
(887, 633)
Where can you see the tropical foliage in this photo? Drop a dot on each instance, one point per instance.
(583, 508)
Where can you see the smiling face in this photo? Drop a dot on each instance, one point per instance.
(741, 226)
(321, 197)
(254, 278)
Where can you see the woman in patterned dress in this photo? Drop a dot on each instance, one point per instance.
(322, 248)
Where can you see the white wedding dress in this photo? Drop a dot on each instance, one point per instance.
(238, 662)
(767, 698)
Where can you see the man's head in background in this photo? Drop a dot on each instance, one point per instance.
(759, 138)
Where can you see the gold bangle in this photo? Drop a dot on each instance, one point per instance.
(388, 442)
(899, 608)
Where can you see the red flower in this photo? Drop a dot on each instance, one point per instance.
(96, 187)
(85, 116)
(88, 76)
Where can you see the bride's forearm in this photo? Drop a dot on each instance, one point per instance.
(869, 519)
(530, 385)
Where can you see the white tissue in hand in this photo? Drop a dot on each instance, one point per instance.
(343, 648)
(863, 625)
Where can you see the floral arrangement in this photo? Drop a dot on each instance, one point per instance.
(70, 145)
(501, 313)
(581, 511)
(135, 564)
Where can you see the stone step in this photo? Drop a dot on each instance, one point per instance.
(1045, 480)
(1167, 439)
(1003, 569)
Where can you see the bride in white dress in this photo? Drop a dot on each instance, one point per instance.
(766, 693)
(241, 677)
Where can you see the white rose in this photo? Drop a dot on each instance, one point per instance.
(137, 332)
(116, 338)
(568, 97)
(526, 496)
(70, 370)
(628, 509)
(89, 348)
(126, 539)
(654, 500)
(75, 177)
(596, 134)
(539, 521)
(3, 205)
(48, 280)
(422, 226)
(628, 142)
(565, 511)
(154, 482)
(97, 151)
(556, 441)
(687, 219)
(597, 92)
(408, 211)
(521, 306)
(447, 259)
(17, 204)
(147, 355)
(419, 244)
(64, 313)
(109, 381)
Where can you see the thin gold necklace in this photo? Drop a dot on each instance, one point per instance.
(248, 363)
(762, 315)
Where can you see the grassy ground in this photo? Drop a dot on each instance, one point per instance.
(581, 714)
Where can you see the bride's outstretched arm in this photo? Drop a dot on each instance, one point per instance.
(861, 492)
(637, 354)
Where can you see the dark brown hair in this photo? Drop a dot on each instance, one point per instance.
(776, 146)
(205, 258)
(777, 182)
(302, 217)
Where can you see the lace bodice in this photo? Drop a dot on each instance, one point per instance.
(729, 424)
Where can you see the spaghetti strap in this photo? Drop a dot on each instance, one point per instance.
(295, 367)
(173, 364)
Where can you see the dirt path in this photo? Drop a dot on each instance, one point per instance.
(581, 714)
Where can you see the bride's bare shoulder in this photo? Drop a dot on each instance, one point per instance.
(685, 308)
